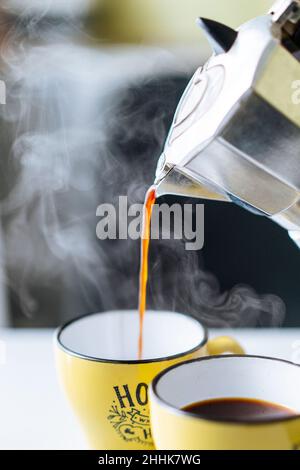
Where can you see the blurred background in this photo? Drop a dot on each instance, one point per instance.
(92, 86)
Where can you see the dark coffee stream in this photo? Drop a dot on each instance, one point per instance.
(146, 225)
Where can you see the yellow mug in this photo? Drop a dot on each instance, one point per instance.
(105, 383)
(262, 378)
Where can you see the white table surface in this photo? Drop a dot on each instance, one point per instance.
(34, 413)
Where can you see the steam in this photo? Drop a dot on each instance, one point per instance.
(81, 127)
(201, 296)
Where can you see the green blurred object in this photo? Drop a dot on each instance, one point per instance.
(167, 21)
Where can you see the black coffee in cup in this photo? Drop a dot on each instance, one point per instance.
(239, 409)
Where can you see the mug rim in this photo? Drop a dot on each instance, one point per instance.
(86, 357)
(243, 422)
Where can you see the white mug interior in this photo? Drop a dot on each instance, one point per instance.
(253, 377)
(113, 335)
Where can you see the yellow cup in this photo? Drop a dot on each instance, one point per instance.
(105, 383)
(261, 378)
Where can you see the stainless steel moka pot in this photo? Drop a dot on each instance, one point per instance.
(236, 132)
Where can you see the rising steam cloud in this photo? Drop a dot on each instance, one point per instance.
(78, 131)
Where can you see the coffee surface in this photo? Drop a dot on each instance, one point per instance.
(239, 409)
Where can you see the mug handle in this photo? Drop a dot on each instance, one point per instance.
(224, 344)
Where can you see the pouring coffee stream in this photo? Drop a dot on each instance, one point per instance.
(146, 229)
(236, 133)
